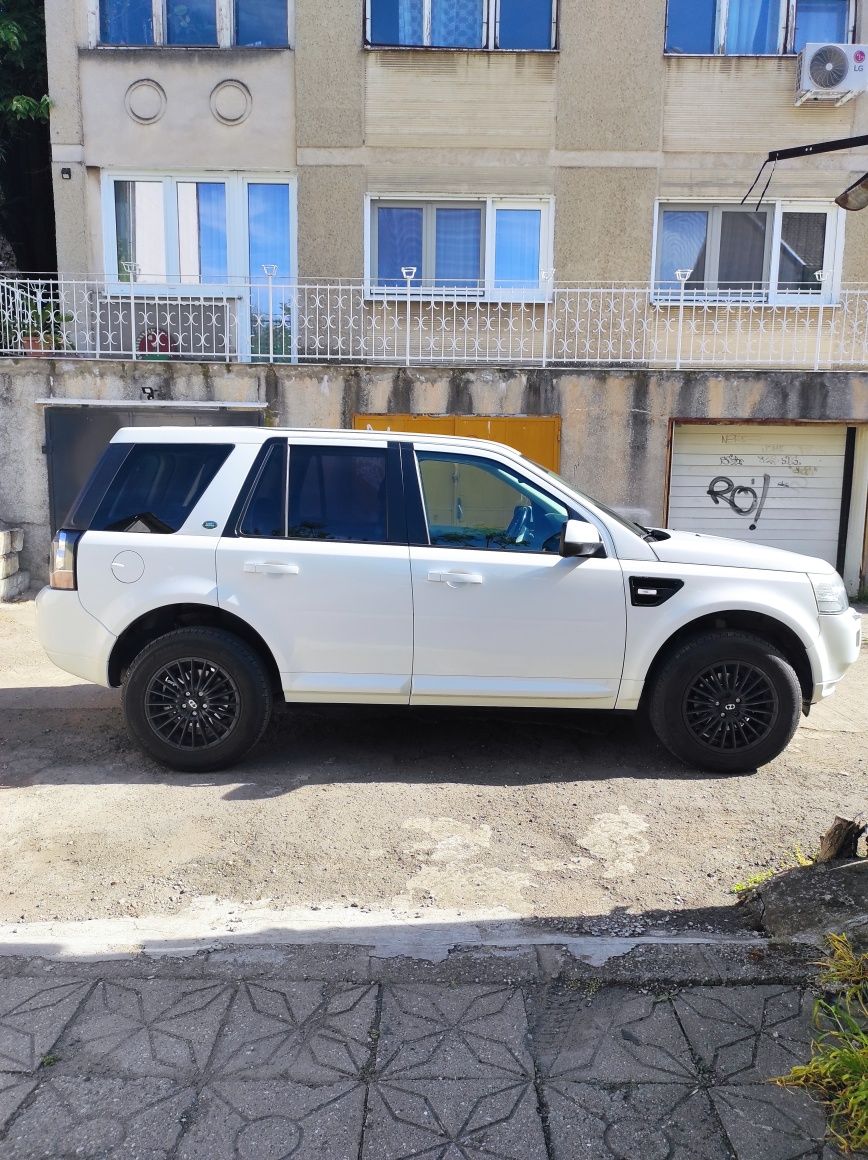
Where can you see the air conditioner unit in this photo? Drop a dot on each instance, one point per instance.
(832, 72)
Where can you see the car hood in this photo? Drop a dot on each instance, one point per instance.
(696, 548)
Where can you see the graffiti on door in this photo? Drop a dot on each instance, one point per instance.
(744, 501)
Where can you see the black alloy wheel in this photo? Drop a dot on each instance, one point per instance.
(192, 703)
(725, 701)
(197, 699)
(730, 706)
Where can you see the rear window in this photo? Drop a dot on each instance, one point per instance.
(152, 490)
(338, 493)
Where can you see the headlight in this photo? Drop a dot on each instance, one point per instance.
(830, 591)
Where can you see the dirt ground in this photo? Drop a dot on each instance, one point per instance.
(575, 817)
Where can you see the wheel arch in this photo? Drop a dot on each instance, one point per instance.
(785, 640)
(160, 621)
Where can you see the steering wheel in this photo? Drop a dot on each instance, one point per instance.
(521, 524)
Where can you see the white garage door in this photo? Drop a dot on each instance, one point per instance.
(777, 485)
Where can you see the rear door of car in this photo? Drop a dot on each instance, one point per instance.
(316, 559)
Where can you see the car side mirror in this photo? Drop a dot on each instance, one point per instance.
(579, 538)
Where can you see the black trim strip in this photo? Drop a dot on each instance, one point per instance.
(846, 498)
(417, 525)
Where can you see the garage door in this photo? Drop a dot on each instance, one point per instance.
(777, 485)
(538, 437)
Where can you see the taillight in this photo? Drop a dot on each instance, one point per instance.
(62, 567)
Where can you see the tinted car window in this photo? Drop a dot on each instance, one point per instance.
(477, 503)
(338, 493)
(265, 513)
(157, 486)
(94, 491)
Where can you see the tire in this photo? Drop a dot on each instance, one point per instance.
(165, 705)
(697, 712)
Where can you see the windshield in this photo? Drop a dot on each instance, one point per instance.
(635, 528)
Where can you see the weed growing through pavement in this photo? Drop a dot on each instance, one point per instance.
(797, 858)
(838, 1068)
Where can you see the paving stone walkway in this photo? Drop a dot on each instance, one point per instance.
(135, 1068)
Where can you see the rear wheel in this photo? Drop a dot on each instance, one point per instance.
(197, 699)
(726, 701)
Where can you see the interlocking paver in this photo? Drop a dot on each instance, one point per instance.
(747, 1034)
(453, 1033)
(307, 1032)
(108, 1119)
(147, 1028)
(14, 1090)
(634, 1122)
(453, 1120)
(765, 1122)
(616, 1036)
(273, 1120)
(32, 1016)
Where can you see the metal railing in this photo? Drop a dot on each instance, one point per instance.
(271, 320)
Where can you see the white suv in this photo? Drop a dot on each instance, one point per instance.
(211, 570)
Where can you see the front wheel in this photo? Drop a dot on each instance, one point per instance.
(726, 702)
(197, 699)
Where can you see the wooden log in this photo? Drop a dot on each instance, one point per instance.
(841, 838)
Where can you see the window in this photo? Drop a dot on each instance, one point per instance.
(204, 23)
(265, 513)
(126, 22)
(157, 487)
(177, 229)
(492, 247)
(338, 493)
(734, 251)
(755, 27)
(517, 25)
(478, 503)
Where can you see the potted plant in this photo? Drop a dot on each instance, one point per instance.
(42, 327)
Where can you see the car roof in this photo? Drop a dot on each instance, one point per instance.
(224, 434)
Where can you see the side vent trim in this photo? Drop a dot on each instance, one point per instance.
(652, 591)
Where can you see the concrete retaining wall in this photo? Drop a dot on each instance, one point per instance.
(615, 423)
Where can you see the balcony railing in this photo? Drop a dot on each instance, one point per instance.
(243, 320)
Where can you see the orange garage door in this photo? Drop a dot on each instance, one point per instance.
(537, 437)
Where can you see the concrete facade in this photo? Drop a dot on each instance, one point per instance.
(608, 123)
(616, 425)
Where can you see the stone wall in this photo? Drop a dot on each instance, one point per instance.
(616, 424)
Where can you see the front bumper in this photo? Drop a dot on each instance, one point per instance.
(835, 650)
(74, 640)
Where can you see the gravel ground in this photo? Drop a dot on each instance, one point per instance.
(577, 818)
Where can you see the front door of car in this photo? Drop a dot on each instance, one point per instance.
(316, 560)
(500, 616)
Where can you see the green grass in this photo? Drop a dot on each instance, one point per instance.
(797, 858)
(838, 1069)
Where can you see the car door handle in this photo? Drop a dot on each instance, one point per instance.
(265, 568)
(455, 579)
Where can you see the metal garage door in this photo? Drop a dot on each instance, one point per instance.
(777, 485)
(536, 436)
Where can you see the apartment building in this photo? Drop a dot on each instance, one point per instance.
(487, 145)
(509, 186)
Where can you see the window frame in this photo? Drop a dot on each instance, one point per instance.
(490, 25)
(828, 291)
(237, 227)
(226, 25)
(487, 291)
(786, 31)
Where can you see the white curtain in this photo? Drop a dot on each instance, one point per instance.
(753, 27)
(456, 23)
(410, 22)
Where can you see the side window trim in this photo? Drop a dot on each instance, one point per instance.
(232, 529)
